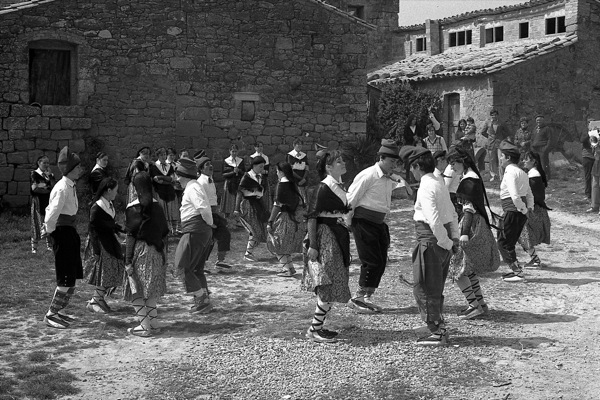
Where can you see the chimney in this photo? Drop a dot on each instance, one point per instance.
(432, 32)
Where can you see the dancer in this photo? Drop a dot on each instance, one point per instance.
(266, 199)
(162, 174)
(221, 233)
(299, 162)
(233, 170)
(42, 180)
(197, 229)
(516, 199)
(440, 163)
(478, 252)
(140, 163)
(436, 227)
(328, 244)
(537, 228)
(99, 172)
(103, 261)
(286, 225)
(145, 258)
(59, 224)
(370, 197)
(249, 208)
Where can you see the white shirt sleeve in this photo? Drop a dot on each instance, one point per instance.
(432, 215)
(201, 203)
(55, 206)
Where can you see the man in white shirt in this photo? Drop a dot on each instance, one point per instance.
(436, 225)
(196, 227)
(517, 200)
(221, 233)
(60, 225)
(370, 198)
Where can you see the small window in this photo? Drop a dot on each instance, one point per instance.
(452, 39)
(421, 44)
(495, 34)
(469, 36)
(357, 11)
(460, 38)
(555, 25)
(248, 110)
(523, 30)
(51, 76)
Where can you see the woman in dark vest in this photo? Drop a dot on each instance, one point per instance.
(162, 174)
(286, 225)
(42, 181)
(103, 263)
(99, 172)
(233, 170)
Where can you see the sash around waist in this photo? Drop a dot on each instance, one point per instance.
(66, 220)
(509, 205)
(370, 215)
(425, 234)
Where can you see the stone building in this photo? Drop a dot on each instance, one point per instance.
(540, 56)
(117, 75)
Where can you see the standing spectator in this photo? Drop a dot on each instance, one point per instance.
(433, 141)
(42, 180)
(143, 156)
(233, 170)
(436, 226)
(197, 227)
(60, 224)
(99, 172)
(249, 208)
(266, 199)
(104, 264)
(587, 155)
(461, 129)
(328, 244)
(595, 206)
(172, 161)
(298, 160)
(162, 174)
(516, 199)
(541, 143)
(286, 223)
(495, 132)
(412, 132)
(370, 197)
(537, 228)
(523, 136)
(221, 233)
(145, 258)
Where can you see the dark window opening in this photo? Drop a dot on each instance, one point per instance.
(357, 11)
(452, 39)
(421, 44)
(555, 25)
(462, 38)
(469, 36)
(495, 34)
(50, 76)
(523, 30)
(248, 110)
(489, 35)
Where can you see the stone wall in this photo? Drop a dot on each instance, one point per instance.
(178, 73)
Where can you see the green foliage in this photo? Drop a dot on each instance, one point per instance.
(399, 100)
(359, 154)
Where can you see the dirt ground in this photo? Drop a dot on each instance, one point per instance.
(540, 340)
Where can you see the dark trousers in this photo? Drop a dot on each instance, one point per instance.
(221, 234)
(190, 258)
(67, 256)
(588, 163)
(430, 270)
(372, 242)
(512, 226)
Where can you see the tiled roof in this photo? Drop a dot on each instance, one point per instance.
(20, 6)
(480, 13)
(468, 62)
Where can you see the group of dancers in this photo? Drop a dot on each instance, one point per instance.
(453, 233)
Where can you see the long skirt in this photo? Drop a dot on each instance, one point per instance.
(480, 255)
(328, 278)
(287, 235)
(149, 273)
(106, 272)
(228, 201)
(250, 219)
(537, 228)
(37, 219)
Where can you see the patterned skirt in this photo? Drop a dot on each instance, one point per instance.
(537, 228)
(131, 193)
(249, 217)
(107, 272)
(227, 201)
(149, 273)
(287, 235)
(480, 255)
(36, 219)
(329, 278)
